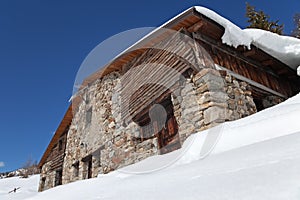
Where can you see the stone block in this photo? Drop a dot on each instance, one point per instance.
(212, 85)
(214, 96)
(187, 89)
(211, 104)
(209, 77)
(216, 114)
(204, 72)
(228, 78)
(192, 110)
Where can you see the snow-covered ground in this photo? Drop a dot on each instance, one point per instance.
(28, 187)
(257, 157)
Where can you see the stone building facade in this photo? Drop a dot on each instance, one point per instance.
(95, 138)
(206, 99)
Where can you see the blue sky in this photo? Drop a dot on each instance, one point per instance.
(43, 43)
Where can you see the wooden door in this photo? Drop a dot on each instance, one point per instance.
(161, 124)
(168, 138)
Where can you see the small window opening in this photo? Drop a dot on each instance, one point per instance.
(58, 177)
(76, 169)
(60, 144)
(89, 116)
(43, 182)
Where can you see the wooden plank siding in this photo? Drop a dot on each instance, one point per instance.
(250, 68)
(58, 152)
(53, 152)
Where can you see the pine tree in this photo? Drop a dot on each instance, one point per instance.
(296, 31)
(258, 19)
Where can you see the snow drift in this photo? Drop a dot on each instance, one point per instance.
(256, 157)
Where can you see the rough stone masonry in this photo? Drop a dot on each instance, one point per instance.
(206, 99)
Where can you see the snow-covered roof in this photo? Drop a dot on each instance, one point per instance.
(284, 48)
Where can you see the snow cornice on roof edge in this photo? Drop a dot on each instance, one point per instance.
(284, 48)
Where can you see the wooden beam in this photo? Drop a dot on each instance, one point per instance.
(197, 26)
(230, 51)
(251, 82)
(282, 71)
(250, 53)
(268, 62)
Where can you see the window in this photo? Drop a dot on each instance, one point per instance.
(76, 169)
(87, 168)
(42, 186)
(89, 116)
(60, 144)
(58, 177)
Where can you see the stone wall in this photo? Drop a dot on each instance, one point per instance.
(97, 130)
(209, 98)
(47, 178)
(53, 164)
(92, 127)
(203, 100)
(271, 100)
(240, 102)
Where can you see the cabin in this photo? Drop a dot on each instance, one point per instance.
(178, 80)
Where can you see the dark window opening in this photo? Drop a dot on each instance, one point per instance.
(259, 104)
(76, 169)
(88, 167)
(58, 177)
(89, 116)
(43, 182)
(60, 144)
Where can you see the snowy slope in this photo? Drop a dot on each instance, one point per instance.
(267, 170)
(28, 187)
(257, 157)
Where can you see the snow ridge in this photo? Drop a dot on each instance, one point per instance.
(284, 48)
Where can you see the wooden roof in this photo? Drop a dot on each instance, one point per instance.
(192, 21)
(62, 128)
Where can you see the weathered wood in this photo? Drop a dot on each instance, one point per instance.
(268, 62)
(230, 51)
(253, 83)
(250, 52)
(171, 57)
(246, 67)
(195, 27)
(61, 133)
